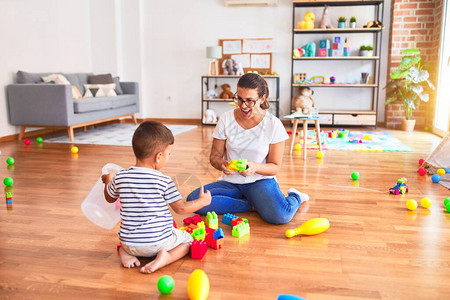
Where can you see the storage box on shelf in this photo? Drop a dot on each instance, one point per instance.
(209, 103)
(338, 113)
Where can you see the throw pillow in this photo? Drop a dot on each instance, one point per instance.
(100, 79)
(118, 87)
(60, 79)
(76, 92)
(99, 90)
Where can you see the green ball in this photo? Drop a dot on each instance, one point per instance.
(447, 201)
(10, 161)
(355, 175)
(165, 284)
(8, 181)
(39, 139)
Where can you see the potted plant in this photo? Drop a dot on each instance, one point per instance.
(352, 22)
(341, 22)
(363, 50)
(407, 83)
(369, 50)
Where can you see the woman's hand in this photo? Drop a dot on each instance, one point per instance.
(224, 168)
(252, 167)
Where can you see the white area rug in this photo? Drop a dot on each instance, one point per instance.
(115, 134)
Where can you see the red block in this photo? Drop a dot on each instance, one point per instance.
(175, 224)
(192, 220)
(234, 222)
(198, 249)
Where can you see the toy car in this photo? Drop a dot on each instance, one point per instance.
(400, 187)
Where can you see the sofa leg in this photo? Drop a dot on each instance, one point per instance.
(70, 132)
(22, 132)
(85, 128)
(134, 119)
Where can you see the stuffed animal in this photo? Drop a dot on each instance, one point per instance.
(309, 50)
(308, 21)
(325, 20)
(229, 66)
(374, 24)
(212, 94)
(299, 52)
(239, 69)
(227, 93)
(303, 102)
(209, 117)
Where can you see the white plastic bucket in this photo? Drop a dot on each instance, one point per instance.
(96, 208)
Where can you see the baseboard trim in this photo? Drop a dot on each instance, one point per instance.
(173, 121)
(38, 132)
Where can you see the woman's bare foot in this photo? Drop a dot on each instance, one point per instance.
(128, 261)
(162, 259)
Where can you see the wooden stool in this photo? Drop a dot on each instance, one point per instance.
(305, 120)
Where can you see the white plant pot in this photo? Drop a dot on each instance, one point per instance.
(363, 52)
(369, 53)
(352, 24)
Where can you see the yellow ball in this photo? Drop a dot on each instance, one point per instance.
(319, 154)
(411, 204)
(298, 147)
(425, 202)
(440, 172)
(74, 149)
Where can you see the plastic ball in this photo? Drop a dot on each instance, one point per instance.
(39, 139)
(27, 141)
(425, 202)
(319, 154)
(422, 171)
(447, 201)
(440, 172)
(411, 204)
(298, 147)
(447, 170)
(166, 284)
(10, 161)
(421, 161)
(355, 175)
(8, 181)
(74, 149)
(435, 178)
(426, 128)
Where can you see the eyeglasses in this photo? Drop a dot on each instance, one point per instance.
(249, 102)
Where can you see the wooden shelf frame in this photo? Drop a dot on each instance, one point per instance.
(338, 58)
(337, 85)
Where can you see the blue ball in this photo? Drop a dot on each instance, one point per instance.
(435, 178)
(447, 170)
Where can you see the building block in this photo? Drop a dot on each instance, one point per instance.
(324, 44)
(336, 46)
(234, 222)
(198, 249)
(237, 165)
(192, 220)
(336, 53)
(175, 225)
(323, 52)
(218, 234)
(199, 234)
(337, 39)
(299, 77)
(183, 228)
(214, 243)
(189, 229)
(211, 220)
(201, 224)
(193, 226)
(226, 218)
(119, 245)
(240, 230)
(209, 231)
(346, 51)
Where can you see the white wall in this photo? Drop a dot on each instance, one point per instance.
(160, 44)
(41, 36)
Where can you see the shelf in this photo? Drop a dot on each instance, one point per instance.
(309, 3)
(336, 30)
(338, 85)
(349, 112)
(231, 100)
(338, 58)
(236, 76)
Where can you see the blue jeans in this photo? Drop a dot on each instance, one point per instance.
(263, 195)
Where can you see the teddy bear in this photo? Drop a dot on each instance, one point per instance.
(239, 69)
(308, 21)
(229, 66)
(226, 93)
(325, 20)
(303, 101)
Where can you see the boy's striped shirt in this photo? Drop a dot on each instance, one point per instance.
(144, 197)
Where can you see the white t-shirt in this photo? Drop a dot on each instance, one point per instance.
(251, 144)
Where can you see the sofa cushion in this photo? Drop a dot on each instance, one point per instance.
(25, 77)
(118, 87)
(102, 103)
(100, 79)
(78, 80)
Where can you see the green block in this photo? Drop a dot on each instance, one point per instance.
(199, 234)
(240, 230)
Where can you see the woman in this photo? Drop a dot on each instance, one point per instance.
(253, 133)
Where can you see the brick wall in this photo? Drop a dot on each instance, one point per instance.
(415, 24)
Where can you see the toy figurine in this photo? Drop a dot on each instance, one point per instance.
(400, 187)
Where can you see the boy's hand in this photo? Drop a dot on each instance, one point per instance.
(251, 169)
(225, 169)
(204, 197)
(106, 178)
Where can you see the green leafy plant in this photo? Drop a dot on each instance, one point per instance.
(368, 47)
(363, 47)
(407, 82)
(352, 20)
(342, 19)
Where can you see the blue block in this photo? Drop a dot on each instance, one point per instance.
(337, 39)
(324, 44)
(8, 201)
(218, 234)
(226, 218)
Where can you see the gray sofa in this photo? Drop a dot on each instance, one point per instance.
(33, 103)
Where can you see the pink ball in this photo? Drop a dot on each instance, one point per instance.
(421, 161)
(422, 171)
(27, 141)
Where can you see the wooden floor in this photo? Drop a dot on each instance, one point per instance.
(374, 248)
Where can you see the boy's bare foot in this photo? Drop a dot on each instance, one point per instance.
(162, 259)
(128, 261)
